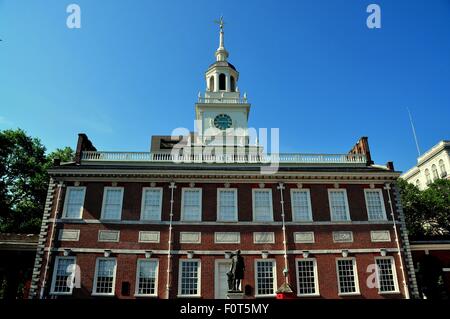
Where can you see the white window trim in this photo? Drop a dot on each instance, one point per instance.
(394, 275)
(355, 271)
(383, 208)
(144, 189)
(105, 190)
(182, 203)
(52, 289)
(347, 209)
(199, 279)
(269, 190)
(303, 190)
(66, 199)
(236, 214)
(136, 293)
(316, 278)
(94, 288)
(274, 270)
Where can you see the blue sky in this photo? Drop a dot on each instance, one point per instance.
(311, 68)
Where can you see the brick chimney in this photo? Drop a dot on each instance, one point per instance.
(362, 147)
(84, 144)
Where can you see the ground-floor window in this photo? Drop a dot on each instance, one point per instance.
(63, 275)
(189, 278)
(146, 277)
(265, 274)
(347, 276)
(105, 276)
(307, 281)
(386, 275)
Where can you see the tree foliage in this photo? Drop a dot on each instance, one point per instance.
(427, 212)
(24, 180)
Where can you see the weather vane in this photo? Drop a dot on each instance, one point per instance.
(220, 22)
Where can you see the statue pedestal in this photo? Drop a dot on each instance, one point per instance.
(235, 295)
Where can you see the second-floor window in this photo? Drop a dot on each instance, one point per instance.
(427, 176)
(191, 204)
(442, 168)
(227, 204)
(375, 204)
(338, 205)
(151, 203)
(301, 205)
(73, 204)
(112, 203)
(262, 205)
(435, 172)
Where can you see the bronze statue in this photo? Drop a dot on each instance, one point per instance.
(236, 273)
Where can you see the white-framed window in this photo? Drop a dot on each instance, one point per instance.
(74, 202)
(151, 203)
(427, 176)
(338, 204)
(63, 276)
(112, 203)
(105, 277)
(262, 205)
(189, 278)
(227, 207)
(301, 205)
(386, 275)
(191, 204)
(375, 204)
(265, 277)
(435, 172)
(307, 279)
(147, 277)
(442, 168)
(347, 275)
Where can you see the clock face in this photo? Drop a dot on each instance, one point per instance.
(222, 121)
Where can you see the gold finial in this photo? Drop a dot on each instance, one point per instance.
(220, 22)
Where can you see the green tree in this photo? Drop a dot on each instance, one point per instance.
(24, 180)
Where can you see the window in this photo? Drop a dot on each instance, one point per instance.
(347, 276)
(442, 168)
(189, 278)
(418, 183)
(307, 282)
(73, 204)
(386, 275)
(338, 204)
(63, 276)
(227, 205)
(262, 205)
(105, 277)
(211, 83)
(222, 85)
(375, 204)
(265, 277)
(435, 172)
(112, 203)
(151, 203)
(191, 209)
(232, 84)
(147, 277)
(427, 176)
(301, 205)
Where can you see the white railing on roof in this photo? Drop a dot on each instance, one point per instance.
(224, 100)
(224, 158)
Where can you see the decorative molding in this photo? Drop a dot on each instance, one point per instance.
(227, 238)
(108, 236)
(69, 235)
(304, 237)
(343, 236)
(264, 238)
(149, 236)
(377, 236)
(190, 237)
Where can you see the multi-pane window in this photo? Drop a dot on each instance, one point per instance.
(262, 205)
(151, 204)
(227, 204)
(146, 277)
(112, 203)
(63, 275)
(189, 278)
(386, 276)
(435, 172)
(427, 176)
(307, 283)
(191, 204)
(442, 168)
(338, 205)
(347, 276)
(301, 205)
(375, 204)
(265, 277)
(73, 205)
(105, 276)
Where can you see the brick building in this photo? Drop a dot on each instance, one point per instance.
(163, 224)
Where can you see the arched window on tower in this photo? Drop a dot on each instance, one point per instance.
(222, 85)
(442, 168)
(427, 176)
(435, 172)
(232, 84)
(211, 84)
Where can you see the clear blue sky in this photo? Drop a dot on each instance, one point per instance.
(311, 68)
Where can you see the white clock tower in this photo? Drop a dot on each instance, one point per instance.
(221, 113)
